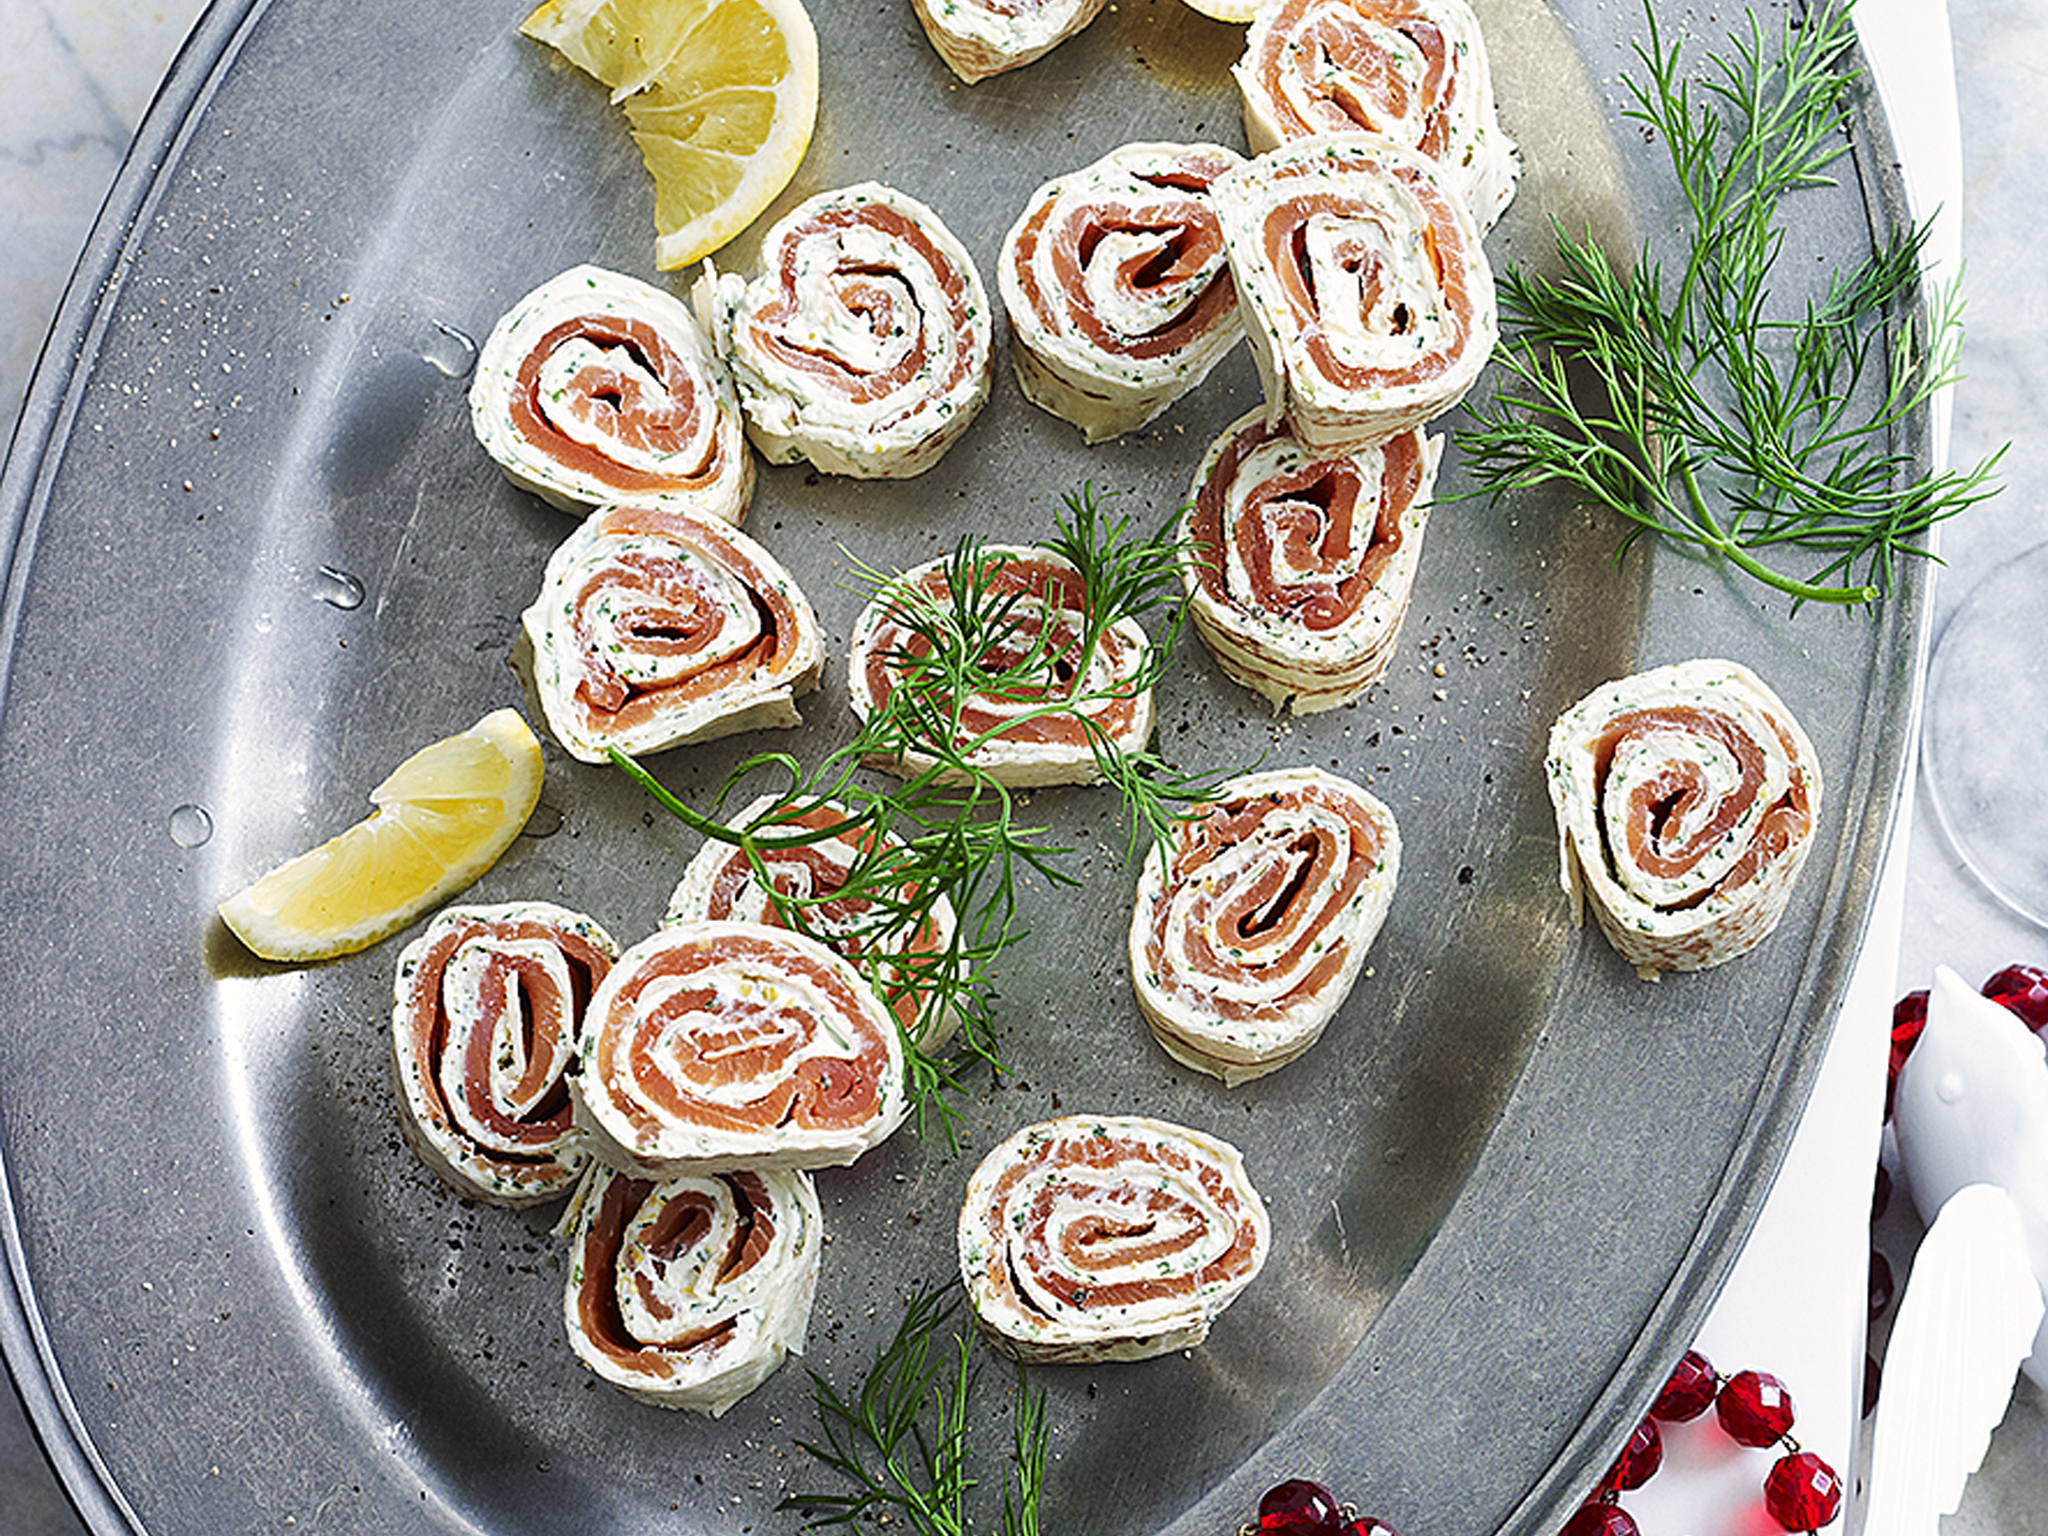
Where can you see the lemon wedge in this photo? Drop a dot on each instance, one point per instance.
(443, 817)
(721, 96)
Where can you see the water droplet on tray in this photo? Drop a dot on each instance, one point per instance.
(339, 588)
(545, 821)
(451, 351)
(190, 826)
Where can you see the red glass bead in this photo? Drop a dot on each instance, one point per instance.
(1298, 1507)
(2023, 989)
(1882, 1286)
(1802, 1492)
(1909, 1018)
(1639, 1459)
(1754, 1408)
(1365, 1525)
(1601, 1518)
(1688, 1392)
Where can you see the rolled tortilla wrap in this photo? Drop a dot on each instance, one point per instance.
(653, 629)
(1299, 563)
(1686, 798)
(1251, 926)
(1010, 734)
(1108, 1238)
(866, 344)
(1414, 71)
(689, 1292)
(597, 388)
(718, 1046)
(1117, 287)
(979, 38)
(1367, 296)
(487, 1015)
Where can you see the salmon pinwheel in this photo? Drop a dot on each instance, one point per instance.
(653, 629)
(487, 1014)
(1686, 798)
(1117, 286)
(1413, 71)
(866, 345)
(723, 884)
(1299, 562)
(1108, 1238)
(597, 388)
(1368, 298)
(979, 38)
(1047, 709)
(1252, 924)
(689, 1292)
(717, 1046)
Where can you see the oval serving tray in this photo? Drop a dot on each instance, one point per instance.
(255, 557)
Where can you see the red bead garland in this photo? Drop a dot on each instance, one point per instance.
(1303, 1507)
(1754, 1409)
(1802, 1492)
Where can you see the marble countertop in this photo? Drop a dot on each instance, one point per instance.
(78, 77)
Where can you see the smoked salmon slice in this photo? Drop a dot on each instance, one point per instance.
(1108, 1238)
(1368, 298)
(597, 388)
(717, 1046)
(1009, 732)
(1252, 924)
(1299, 563)
(1117, 286)
(652, 629)
(1413, 71)
(487, 1016)
(689, 1292)
(865, 345)
(1686, 798)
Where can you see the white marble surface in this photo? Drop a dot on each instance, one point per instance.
(77, 77)
(2001, 61)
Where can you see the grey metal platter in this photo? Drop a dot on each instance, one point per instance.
(255, 557)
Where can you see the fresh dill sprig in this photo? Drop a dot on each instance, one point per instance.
(947, 829)
(1691, 406)
(900, 1440)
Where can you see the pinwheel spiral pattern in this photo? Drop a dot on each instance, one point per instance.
(1299, 563)
(718, 1046)
(866, 345)
(487, 1014)
(689, 1292)
(1252, 924)
(979, 38)
(1686, 799)
(1414, 71)
(1108, 1238)
(1011, 735)
(1368, 298)
(597, 388)
(1117, 287)
(722, 884)
(654, 628)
